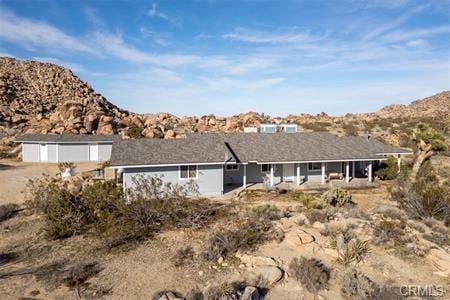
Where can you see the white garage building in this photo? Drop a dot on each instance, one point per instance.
(66, 147)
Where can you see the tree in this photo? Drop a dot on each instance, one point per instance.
(427, 141)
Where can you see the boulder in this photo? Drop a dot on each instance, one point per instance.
(251, 293)
(256, 260)
(271, 273)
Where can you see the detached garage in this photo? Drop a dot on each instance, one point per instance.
(66, 147)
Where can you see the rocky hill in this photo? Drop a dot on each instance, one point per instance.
(46, 98)
(434, 106)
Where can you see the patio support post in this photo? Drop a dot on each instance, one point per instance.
(298, 174)
(323, 173)
(399, 162)
(347, 172)
(271, 174)
(244, 177)
(353, 170)
(370, 171)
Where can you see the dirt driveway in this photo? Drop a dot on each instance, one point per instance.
(14, 176)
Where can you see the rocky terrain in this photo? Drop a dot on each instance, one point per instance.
(46, 98)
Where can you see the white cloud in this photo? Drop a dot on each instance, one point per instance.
(156, 37)
(154, 12)
(402, 35)
(418, 43)
(33, 34)
(260, 37)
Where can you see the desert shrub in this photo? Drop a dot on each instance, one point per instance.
(389, 232)
(390, 212)
(183, 255)
(225, 291)
(41, 192)
(426, 198)
(7, 211)
(316, 126)
(358, 286)
(439, 238)
(265, 212)
(308, 200)
(337, 197)
(66, 215)
(316, 215)
(311, 273)
(134, 132)
(236, 235)
(80, 273)
(388, 169)
(417, 226)
(101, 207)
(350, 129)
(348, 246)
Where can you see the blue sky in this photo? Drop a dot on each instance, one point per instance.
(227, 57)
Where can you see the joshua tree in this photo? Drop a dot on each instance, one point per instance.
(427, 141)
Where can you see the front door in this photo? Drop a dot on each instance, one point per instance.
(289, 172)
(93, 152)
(43, 152)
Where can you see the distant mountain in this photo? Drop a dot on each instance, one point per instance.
(46, 98)
(434, 106)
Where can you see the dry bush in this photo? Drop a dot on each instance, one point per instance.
(224, 291)
(426, 198)
(348, 246)
(102, 208)
(266, 213)
(183, 255)
(78, 274)
(439, 238)
(337, 197)
(7, 211)
(311, 273)
(308, 200)
(389, 232)
(390, 212)
(316, 215)
(236, 235)
(65, 165)
(359, 287)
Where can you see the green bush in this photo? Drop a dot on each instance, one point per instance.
(388, 169)
(337, 197)
(148, 207)
(135, 132)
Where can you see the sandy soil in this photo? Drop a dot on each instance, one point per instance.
(14, 175)
(148, 267)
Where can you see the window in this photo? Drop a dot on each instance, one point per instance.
(269, 129)
(290, 128)
(314, 166)
(265, 168)
(232, 167)
(188, 172)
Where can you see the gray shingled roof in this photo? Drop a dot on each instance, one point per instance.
(210, 149)
(66, 138)
(244, 147)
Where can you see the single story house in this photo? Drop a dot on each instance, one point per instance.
(214, 160)
(53, 148)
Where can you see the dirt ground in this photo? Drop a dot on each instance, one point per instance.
(14, 175)
(148, 267)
